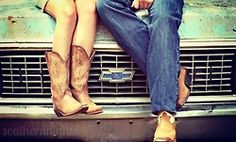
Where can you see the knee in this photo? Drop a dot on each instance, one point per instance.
(166, 18)
(67, 13)
(167, 10)
(106, 8)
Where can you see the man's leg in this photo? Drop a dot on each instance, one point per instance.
(163, 64)
(134, 35)
(130, 32)
(163, 54)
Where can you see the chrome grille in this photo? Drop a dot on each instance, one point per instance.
(25, 72)
(210, 69)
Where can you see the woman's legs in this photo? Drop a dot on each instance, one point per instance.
(85, 31)
(81, 56)
(64, 11)
(58, 60)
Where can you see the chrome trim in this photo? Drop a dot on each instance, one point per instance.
(110, 112)
(111, 45)
(216, 111)
(45, 112)
(207, 42)
(124, 100)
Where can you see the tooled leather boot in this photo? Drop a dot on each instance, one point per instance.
(184, 81)
(80, 66)
(63, 102)
(166, 128)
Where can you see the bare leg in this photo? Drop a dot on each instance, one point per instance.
(82, 46)
(64, 11)
(86, 27)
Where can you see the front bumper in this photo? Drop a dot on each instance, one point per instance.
(117, 123)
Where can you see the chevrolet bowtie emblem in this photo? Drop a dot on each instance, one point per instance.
(116, 75)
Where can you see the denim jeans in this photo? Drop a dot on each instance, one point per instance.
(153, 46)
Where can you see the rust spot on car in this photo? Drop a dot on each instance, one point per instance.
(234, 29)
(11, 19)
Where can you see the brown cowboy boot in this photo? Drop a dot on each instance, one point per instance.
(184, 87)
(80, 67)
(166, 128)
(63, 102)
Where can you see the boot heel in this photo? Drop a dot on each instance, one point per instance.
(59, 113)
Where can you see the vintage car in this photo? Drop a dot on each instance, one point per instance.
(208, 51)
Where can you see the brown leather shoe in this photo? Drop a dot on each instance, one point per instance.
(63, 102)
(80, 66)
(166, 128)
(184, 87)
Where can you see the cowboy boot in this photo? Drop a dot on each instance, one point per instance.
(63, 102)
(80, 67)
(166, 128)
(184, 87)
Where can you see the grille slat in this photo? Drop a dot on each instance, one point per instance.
(9, 87)
(24, 94)
(215, 85)
(25, 73)
(201, 55)
(205, 61)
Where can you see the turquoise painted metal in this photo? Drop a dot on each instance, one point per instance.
(21, 21)
(209, 19)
